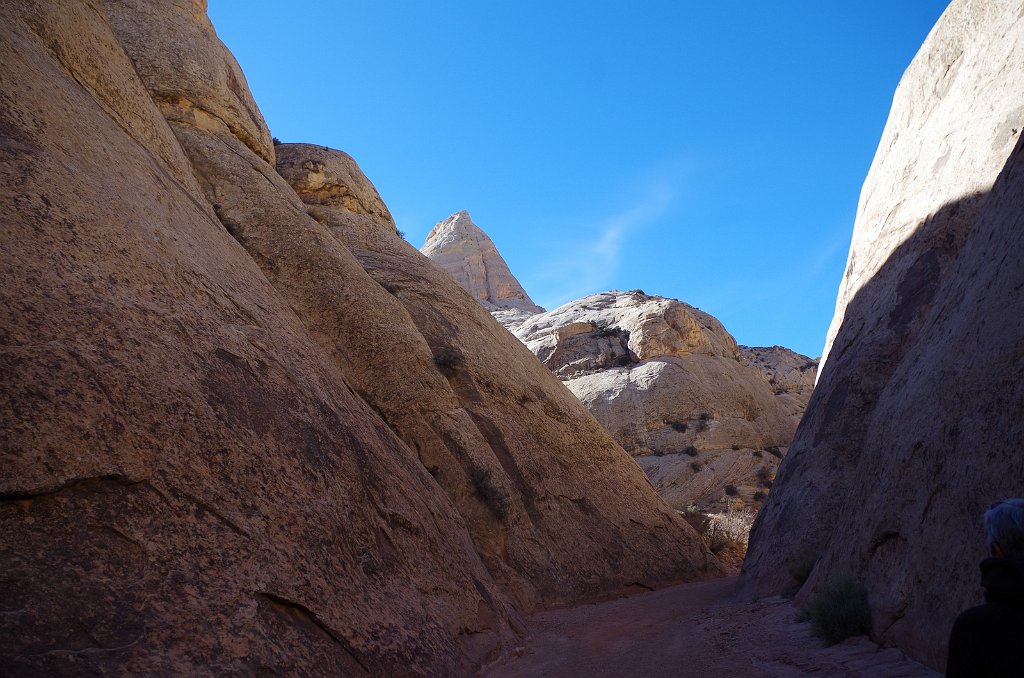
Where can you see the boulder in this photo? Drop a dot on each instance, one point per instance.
(914, 427)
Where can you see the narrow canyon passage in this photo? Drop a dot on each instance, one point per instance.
(691, 630)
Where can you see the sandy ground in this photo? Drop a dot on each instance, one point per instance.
(691, 630)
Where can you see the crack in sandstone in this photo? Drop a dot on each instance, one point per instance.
(301, 614)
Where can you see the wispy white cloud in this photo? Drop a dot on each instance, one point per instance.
(589, 263)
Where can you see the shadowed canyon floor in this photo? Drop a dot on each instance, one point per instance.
(695, 629)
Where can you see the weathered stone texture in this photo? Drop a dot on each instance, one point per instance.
(226, 447)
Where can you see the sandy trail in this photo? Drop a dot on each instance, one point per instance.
(691, 630)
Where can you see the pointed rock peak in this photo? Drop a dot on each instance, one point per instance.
(457, 226)
(460, 247)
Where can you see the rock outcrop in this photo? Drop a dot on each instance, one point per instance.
(468, 254)
(706, 419)
(666, 380)
(231, 446)
(915, 425)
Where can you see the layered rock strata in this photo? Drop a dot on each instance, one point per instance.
(914, 427)
(227, 447)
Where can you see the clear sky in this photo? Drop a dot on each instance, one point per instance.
(707, 151)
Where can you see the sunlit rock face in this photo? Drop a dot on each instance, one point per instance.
(915, 426)
(468, 254)
(246, 428)
(667, 381)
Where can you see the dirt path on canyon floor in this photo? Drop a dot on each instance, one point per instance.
(691, 630)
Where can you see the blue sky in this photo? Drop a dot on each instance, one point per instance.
(707, 151)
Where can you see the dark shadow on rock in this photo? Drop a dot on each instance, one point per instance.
(896, 328)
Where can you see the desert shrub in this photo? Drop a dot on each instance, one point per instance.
(392, 288)
(760, 495)
(775, 452)
(623, 360)
(679, 426)
(400, 234)
(696, 466)
(840, 610)
(758, 453)
(766, 476)
(704, 416)
(448, 361)
(729, 530)
(277, 142)
(608, 331)
(493, 496)
(690, 451)
(735, 447)
(800, 569)
(731, 490)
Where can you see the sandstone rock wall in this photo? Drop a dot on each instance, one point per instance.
(915, 427)
(511, 446)
(226, 447)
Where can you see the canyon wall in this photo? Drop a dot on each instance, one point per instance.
(916, 423)
(227, 447)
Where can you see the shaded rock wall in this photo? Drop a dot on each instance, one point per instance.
(228, 448)
(915, 425)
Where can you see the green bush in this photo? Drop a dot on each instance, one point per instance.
(840, 610)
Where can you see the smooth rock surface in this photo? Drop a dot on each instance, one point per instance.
(915, 426)
(515, 452)
(227, 448)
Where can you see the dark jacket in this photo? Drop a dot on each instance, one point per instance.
(988, 640)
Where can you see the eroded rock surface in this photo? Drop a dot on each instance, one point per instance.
(914, 427)
(666, 380)
(227, 447)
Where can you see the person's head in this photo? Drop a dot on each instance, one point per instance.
(1004, 528)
